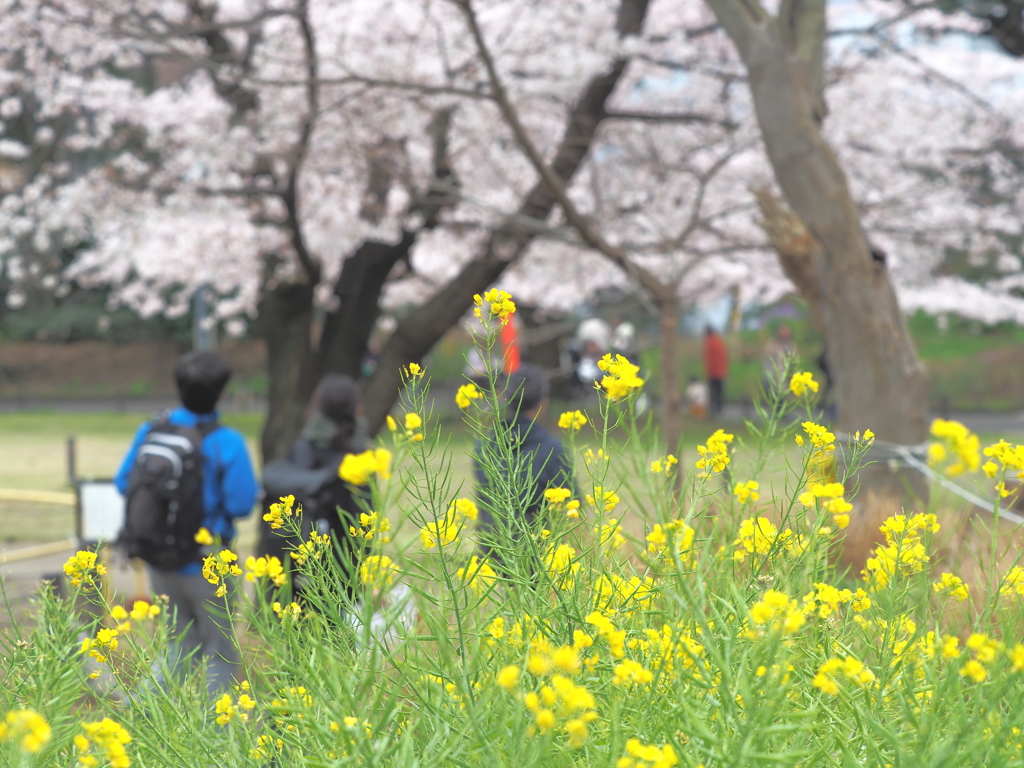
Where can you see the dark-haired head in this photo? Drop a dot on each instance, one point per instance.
(337, 398)
(201, 377)
(526, 388)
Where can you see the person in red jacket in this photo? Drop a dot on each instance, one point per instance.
(716, 366)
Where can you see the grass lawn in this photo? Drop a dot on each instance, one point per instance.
(33, 456)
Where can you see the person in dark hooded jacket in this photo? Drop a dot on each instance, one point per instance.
(534, 461)
(310, 474)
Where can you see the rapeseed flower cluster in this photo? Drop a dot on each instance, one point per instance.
(957, 444)
(280, 512)
(378, 571)
(560, 500)
(372, 525)
(104, 740)
(778, 612)
(903, 552)
(821, 440)
(829, 498)
(359, 468)
(140, 611)
(100, 646)
(1013, 582)
(217, 567)
(803, 382)
(477, 575)
(466, 394)
(757, 536)
(672, 540)
(714, 457)
(500, 302)
(230, 709)
(640, 755)
(664, 465)
(849, 668)
(445, 531)
(561, 566)
(313, 547)
(747, 492)
(572, 421)
(82, 567)
(621, 377)
(953, 586)
(602, 498)
(27, 728)
(264, 568)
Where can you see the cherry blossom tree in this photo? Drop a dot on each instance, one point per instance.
(302, 157)
(299, 154)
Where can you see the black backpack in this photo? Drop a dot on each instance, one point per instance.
(164, 502)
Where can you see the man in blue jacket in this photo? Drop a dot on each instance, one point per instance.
(201, 626)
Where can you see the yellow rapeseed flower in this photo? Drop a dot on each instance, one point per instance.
(478, 575)
(106, 738)
(82, 567)
(264, 567)
(572, 420)
(508, 677)
(204, 537)
(801, 383)
(27, 728)
(466, 394)
(280, 512)
(359, 468)
(621, 378)
(378, 570)
(747, 491)
(954, 586)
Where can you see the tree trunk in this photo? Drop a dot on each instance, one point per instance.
(347, 328)
(671, 393)
(285, 322)
(880, 383)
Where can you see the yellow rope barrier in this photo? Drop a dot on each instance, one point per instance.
(38, 497)
(37, 550)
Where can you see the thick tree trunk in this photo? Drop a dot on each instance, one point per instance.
(347, 328)
(671, 394)
(285, 320)
(880, 382)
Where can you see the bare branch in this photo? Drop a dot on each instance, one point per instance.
(398, 85)
(669, 117)
(290, 197)
(587, 232)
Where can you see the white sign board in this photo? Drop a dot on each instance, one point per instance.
(100, 511)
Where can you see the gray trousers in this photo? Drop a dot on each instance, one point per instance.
(200, 629)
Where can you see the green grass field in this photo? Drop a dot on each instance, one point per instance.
(33, 456)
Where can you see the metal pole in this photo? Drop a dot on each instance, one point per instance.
(203, 322)
(72, 463)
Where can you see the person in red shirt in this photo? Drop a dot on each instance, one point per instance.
(716, 366)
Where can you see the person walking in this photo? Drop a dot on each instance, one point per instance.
(716, 368)
(185, 470)
(310, 473)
